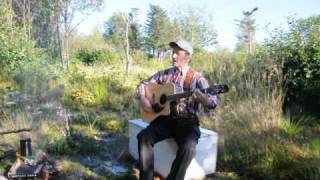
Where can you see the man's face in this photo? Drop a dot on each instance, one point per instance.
(180, 58)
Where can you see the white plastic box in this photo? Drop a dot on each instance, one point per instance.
(202, 164)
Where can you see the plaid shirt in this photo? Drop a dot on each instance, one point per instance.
(174, 75)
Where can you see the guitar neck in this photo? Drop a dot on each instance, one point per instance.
(213, 90)
(179, 96)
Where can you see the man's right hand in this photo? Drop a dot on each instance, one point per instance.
(145, 103)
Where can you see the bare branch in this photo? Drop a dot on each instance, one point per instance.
(15, 131)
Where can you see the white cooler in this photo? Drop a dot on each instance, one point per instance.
(202, 164)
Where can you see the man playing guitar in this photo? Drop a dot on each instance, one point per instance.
(182, 123)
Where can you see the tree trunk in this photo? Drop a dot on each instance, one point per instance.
(129, 58)
(57, 11)
(24, 17)
(28, 20)
(66, 33)
(59, 44)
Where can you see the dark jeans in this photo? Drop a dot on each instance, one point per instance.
(186, 133)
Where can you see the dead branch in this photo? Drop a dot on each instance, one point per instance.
(15, 131)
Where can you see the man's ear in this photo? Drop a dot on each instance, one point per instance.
(189, 57)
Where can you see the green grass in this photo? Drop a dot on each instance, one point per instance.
(256, 140)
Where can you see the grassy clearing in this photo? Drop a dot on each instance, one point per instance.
(256, 139)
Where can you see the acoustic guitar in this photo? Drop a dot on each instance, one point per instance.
(160, 97)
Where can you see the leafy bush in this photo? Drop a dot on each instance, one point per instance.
(291, 129)
(90, 56)
(57, 143)
(120, 92)
(76, 170)
(15, 47)
(84, 118)
(299, 52)
(38, 78)
(116, 125)
(82, 97)
(77, 142)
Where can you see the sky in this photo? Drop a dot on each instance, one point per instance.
(271, 14)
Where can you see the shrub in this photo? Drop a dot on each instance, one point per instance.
(116, 125)
(299, 52)
(15, 48)
(76, 142)
(90, 56)
(39, 78)
(82, 97)
(57, 143)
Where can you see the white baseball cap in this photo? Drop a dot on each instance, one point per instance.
(183, 44)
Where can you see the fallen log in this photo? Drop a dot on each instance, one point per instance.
(15, 131)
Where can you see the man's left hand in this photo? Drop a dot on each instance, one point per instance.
(199, 96)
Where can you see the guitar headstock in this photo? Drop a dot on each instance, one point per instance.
(217, 89)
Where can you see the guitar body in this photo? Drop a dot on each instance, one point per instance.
(160, 96)
(154, 92)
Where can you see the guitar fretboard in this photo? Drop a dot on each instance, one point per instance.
(213, 90)
(179, 96)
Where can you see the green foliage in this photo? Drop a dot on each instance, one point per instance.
(291, 129)
(256, 141)
(95, 87)
(315, 148)
(115, 29)
(57, 143)
(75, 170)
(197, 27)
(298, 51)
(15, 47)
(203, 61)
(85, 118)
(158, 30)
(266, 157)
(37, 77)
(6, 164)
(90, 56)
(77, 142)
(290, 162)
(116, 125)
(119, 93)
(82, 97)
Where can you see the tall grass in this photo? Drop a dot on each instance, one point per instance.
(256, 141)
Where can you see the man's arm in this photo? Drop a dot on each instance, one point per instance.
(204, 99)
(207, 100)
(141, 94)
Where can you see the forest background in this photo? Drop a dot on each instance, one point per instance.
(73, 90)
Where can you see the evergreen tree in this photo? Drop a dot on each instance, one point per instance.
(247, 29)
(114, 30)
(135, 36)
(157, 31)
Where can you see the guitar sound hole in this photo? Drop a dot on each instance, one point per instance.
(163, 99)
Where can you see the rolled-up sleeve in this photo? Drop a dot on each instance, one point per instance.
(141, 87)
(202, 83)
